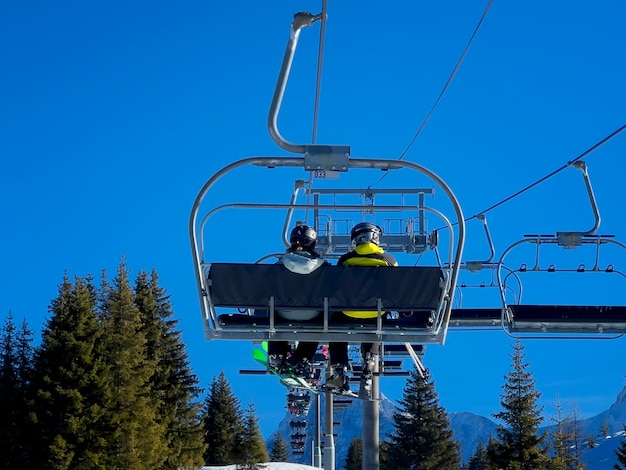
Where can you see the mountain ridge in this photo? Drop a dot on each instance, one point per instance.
(469, 429)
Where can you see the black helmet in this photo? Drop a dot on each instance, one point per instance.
(365, 232)
(304, 236)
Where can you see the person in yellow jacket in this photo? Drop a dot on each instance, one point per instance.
(300, 258)
(365, 237)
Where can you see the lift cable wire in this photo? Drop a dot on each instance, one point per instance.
(443, 91)
(318, 82)
(541, 180)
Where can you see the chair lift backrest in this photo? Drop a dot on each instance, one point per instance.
(346, 288)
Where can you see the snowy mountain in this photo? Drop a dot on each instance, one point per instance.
(469, 429)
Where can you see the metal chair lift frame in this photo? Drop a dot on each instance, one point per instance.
(481, 317)
(326, 158)
(331, 158)
(213, 328)
(595, 321)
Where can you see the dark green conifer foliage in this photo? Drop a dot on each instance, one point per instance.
(478, 460)
(518, 445)
(9, 423)
(222, 423)
(138, 442)
(252, 449)
(354, 458)
(71, 383)
(621, 454)
(490, 451)
(23, 414)
(422, 438)
(15, 372)
(280, 450)
(174, 386)
(383, 454)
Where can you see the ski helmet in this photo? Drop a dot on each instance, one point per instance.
(304, 236)
(365, 232)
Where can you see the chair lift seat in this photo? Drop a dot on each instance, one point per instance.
(417, 290)
(568, 318)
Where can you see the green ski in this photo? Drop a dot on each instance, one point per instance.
(288, 379)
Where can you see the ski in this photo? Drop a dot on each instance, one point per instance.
(289, 379)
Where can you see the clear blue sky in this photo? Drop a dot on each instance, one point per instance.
(113, 115)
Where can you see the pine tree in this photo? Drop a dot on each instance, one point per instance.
(491, 450)
(280, 450)
(70, 384)
(422, 434)
(621, 454)
(354, 459)
(562, 439)
(518, 446)
(139, 441)
(591, 442)
(251, 446)
(11, 400)
(173, 385)
(478, 460)
(222, 423)
(22, 411)
(577, 440)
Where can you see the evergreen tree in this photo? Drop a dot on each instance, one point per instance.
(15, 365)
(621, 454)
(139, 441)
(562, 439)
(252, 449)
(478, 460)
(354, 459)
(22, 412)
(577, 439)
(280, 450)
(222, 423)
(492, 448)
(173, 385)
(422, 435)
(591, 442)
(383, 453)
(518, 446)
(70, 384)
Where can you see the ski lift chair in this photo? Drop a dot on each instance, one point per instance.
(593, 320)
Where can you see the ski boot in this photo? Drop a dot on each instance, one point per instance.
(338, 381)
(367, 373)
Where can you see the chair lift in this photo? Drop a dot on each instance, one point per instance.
(481, 317)
(557, 320)
(424, 291)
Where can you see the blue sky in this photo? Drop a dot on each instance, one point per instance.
(115, 114)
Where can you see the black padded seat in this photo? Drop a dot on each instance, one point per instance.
(401, 288)
(568, 319)
(569, 313)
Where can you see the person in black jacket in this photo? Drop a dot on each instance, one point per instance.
(365, 237)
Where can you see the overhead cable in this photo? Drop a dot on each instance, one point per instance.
(443, 90)
(541, 180)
